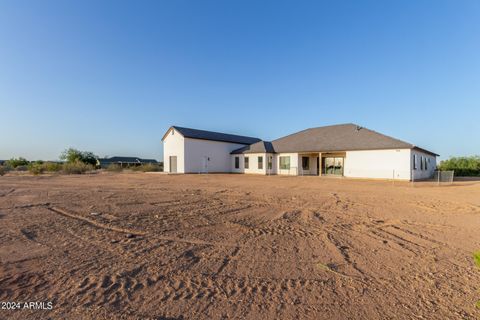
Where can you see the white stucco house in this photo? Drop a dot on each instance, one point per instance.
(339, 150)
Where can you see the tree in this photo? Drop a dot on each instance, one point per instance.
(72, 155)
(16, 162)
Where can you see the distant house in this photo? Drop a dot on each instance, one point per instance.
(2, 162)
(124, 161)
(345, 150)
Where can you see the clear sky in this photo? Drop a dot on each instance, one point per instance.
(112, 76)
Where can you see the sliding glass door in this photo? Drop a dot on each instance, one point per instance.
(332, 166)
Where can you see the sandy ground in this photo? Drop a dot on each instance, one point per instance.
(237, 246)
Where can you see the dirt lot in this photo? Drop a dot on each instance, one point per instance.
(237, 246)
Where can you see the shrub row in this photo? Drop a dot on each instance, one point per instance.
(463, 166)
(42, 167)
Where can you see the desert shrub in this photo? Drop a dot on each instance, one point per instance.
(463, 166)
(39, 167)
(52, 166)
(4, 169)
(72, 155)
(148, 167)
(36, 168)
(76, 167)
(17, 162)
(114, 167)
(21, 168)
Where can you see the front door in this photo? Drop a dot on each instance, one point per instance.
(173, 164)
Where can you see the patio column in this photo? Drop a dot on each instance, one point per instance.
(319, 172)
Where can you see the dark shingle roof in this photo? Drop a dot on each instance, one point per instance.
(342, 137)
(214, 136)
(258, 147)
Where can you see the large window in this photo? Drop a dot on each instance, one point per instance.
(247, 165)
(305, 163)
(260, 162)
(237, 162)
(285, 162)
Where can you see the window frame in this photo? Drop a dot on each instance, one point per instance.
(415, 162)
(286, 164)
(246, 162)
(237, 162)
(260, 162)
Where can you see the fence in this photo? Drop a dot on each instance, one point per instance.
(443, 176)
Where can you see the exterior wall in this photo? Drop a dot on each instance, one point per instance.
(241, 168)
(253, 163)
(312, 164)
(173, 145)
(378, 164)
(418, 173)
(208, 156)
(294, 158)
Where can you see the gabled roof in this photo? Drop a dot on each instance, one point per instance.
(213, 136)
(258, 147)
(342, 137)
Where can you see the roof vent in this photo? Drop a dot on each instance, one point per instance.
(359, 128)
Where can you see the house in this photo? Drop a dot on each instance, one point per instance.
(124, 161)
(345, 150)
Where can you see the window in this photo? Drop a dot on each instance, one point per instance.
(269, 164)
(421, 163)
(425, 164)
(246, 163)
(260, 162)
(414, 162)
(237, 163)
(285, 162)
(305, 163)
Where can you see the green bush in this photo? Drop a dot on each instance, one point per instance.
(17, 162)
(73, 155)
(52, 166)
(148, 167)
(463, 166)
(114, 167)
(36, 168)
(76, 167)
(40, 167)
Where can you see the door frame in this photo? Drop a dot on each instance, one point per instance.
(170, 164)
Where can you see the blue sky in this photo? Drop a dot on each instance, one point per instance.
(111, 77)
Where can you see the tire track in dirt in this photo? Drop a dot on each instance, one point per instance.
(227, 260)
(95, 223)
(7, 193)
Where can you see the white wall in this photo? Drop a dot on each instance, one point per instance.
(173, 145)
(378, 164)
(253, 163)
(294, 165)
(241, 167)
(208, 156)
(312, 164)
(427, 173)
